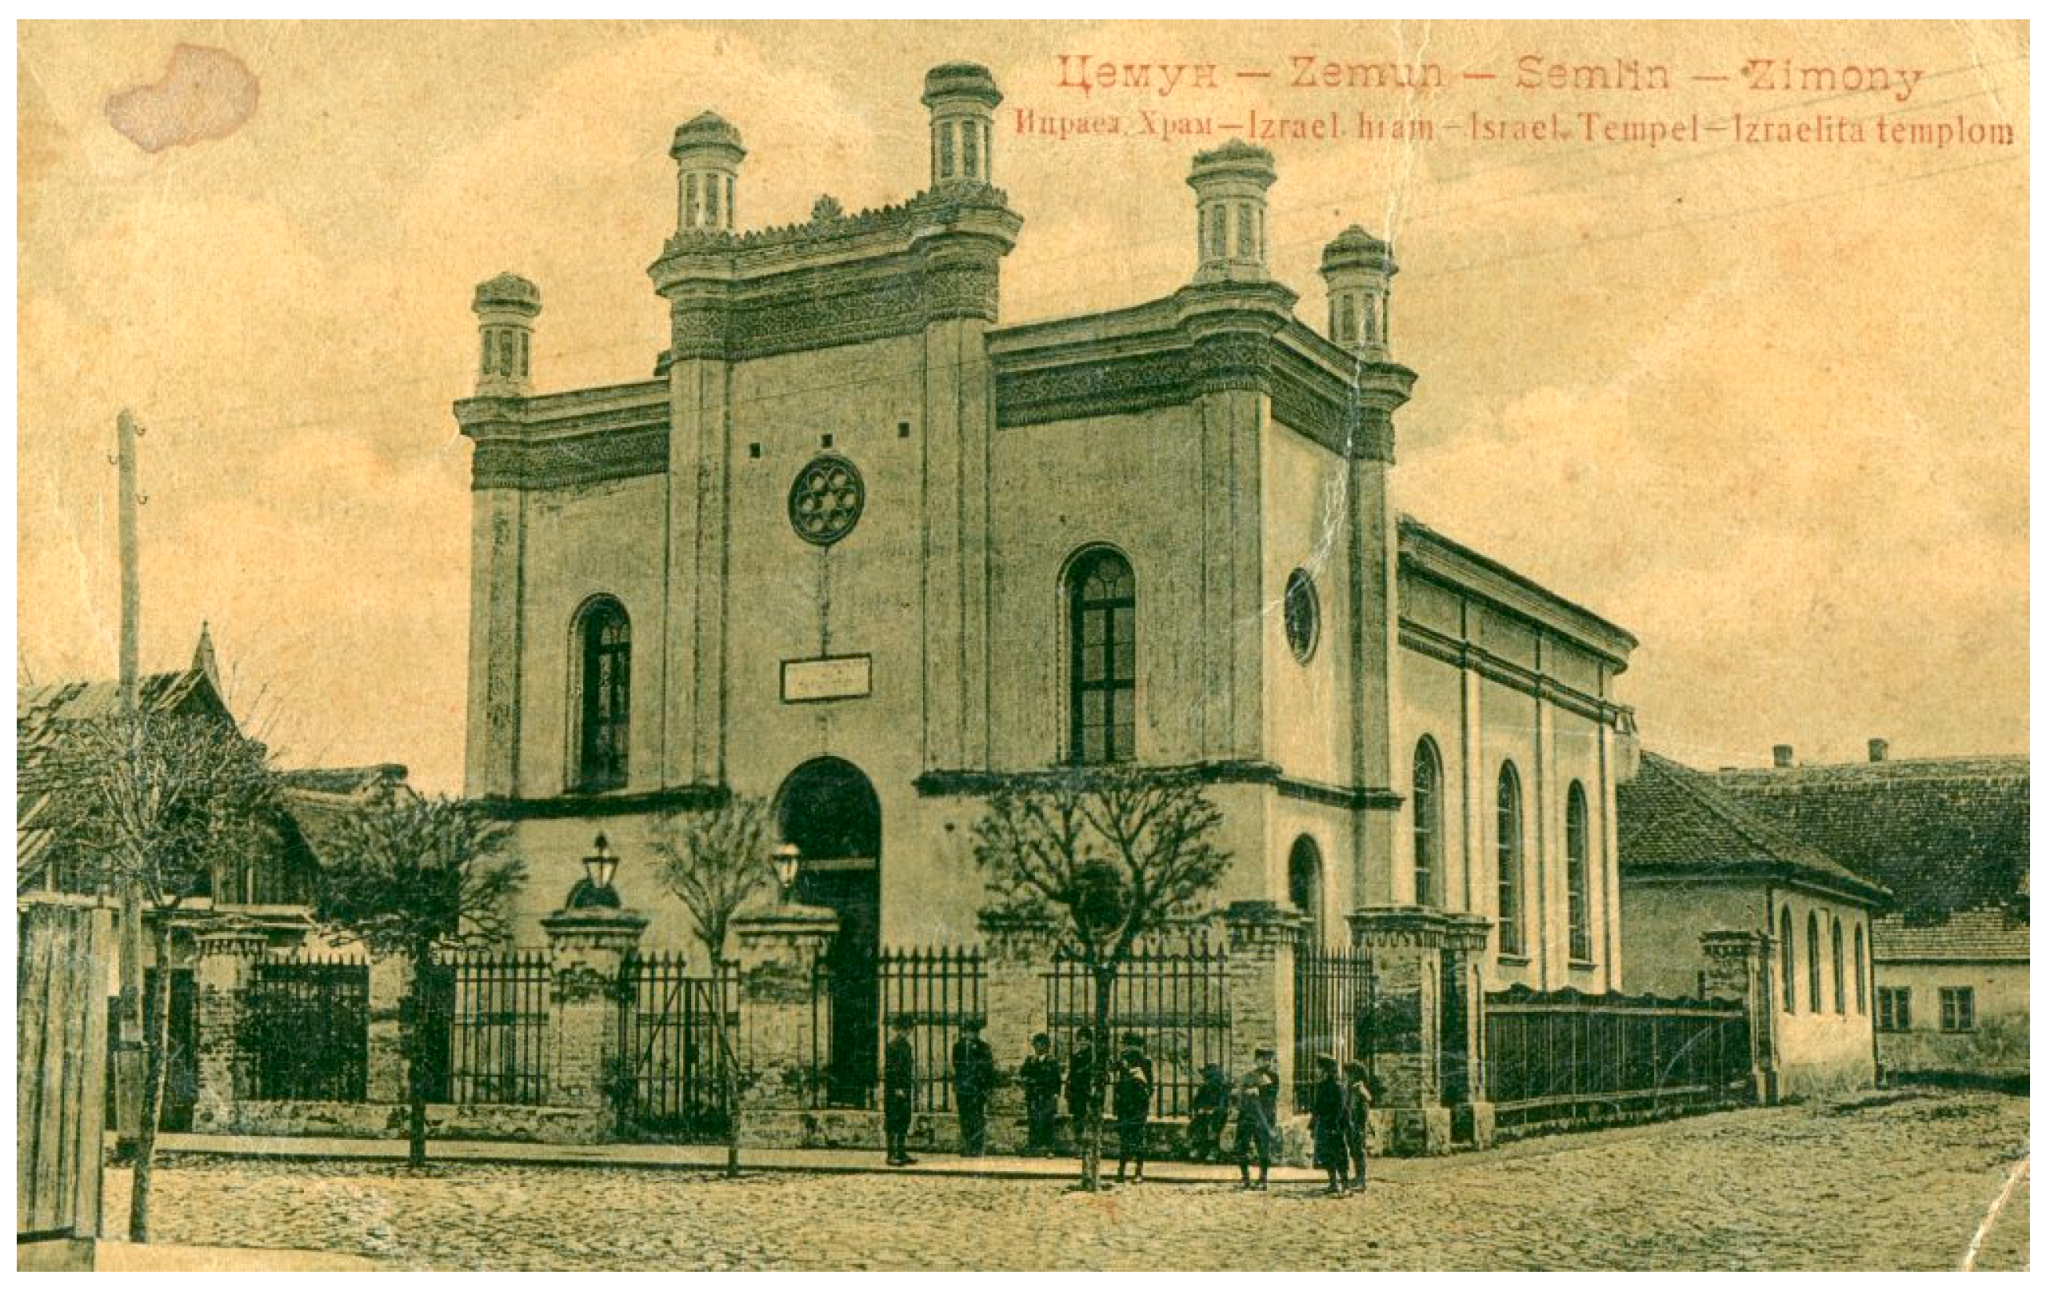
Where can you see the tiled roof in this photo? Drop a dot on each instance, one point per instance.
(1986, 934)
(1948, 836)
(1672, 820)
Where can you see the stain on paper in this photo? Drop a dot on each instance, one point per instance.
(205, 94)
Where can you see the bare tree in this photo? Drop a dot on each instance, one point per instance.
(160, 807)
(1105, 858)
(409, 876)
(714, 860)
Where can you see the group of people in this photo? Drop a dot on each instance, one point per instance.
(1339, 1107)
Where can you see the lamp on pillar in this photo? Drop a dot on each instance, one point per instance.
(785, 858)
(595, 889)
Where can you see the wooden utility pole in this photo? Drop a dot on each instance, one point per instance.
(128, 1070)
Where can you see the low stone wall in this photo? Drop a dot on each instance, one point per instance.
(546, 1124)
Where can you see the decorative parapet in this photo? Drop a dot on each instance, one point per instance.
(1423, 928)
(1255, 926)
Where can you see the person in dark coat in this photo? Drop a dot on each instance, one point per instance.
(1132, 1103)
(1258, 1098)
(1040, 1076)
(1359, 1100)
(1210, 1110)
(1082, 1100)
(975, 1075)
(900, 1083)
(1328, 1125)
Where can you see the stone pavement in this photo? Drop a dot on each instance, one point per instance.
(1892, 1180)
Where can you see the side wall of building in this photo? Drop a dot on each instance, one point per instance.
(1997, 1044)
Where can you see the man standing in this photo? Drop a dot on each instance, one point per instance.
(975, 1072)
(900, 1081)
(1040, 1076)
(1259, 1098)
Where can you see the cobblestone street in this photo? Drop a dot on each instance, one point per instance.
(1888, 1181)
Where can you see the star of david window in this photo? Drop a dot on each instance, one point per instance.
(826, 500)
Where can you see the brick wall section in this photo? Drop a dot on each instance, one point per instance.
(227, 961)
(586, 948)
(391, 980)
(1263, 940)
(778, 950)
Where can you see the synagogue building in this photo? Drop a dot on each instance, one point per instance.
(865, 548)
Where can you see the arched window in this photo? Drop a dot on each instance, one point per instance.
(1101, 658)
(1836, 963)
(604, 648)
(1579, 930)
(1814, 965)
(1858, 961)
(1509, 860)
(1787, 960)
(1306, 885)
(1427, 823)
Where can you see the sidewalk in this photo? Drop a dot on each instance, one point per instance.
(930, 1164)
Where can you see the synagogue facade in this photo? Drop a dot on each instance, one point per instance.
(866, 549)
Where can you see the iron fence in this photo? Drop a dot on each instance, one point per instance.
(667, 1080)
(1176, 996)
(307, 1029)
(1336, 995)
(936, 989)
(486, 1023)
(1553, 1053)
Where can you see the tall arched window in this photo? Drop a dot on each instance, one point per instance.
(1100, 658)
(1306, 885)
(1579, 929)
(1509, 860)
(604, 648)
(1427, 822)
(1858, 961)
(1787, 960)
(1814, 965)
(1836, 963)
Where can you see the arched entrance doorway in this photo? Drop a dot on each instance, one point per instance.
(829, 810)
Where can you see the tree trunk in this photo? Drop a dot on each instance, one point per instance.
(1099, 1055)
(729, 1092)
(413, 1033)
(155, 1072)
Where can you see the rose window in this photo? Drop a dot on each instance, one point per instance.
(826, 500)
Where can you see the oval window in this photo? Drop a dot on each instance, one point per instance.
(1299, 615)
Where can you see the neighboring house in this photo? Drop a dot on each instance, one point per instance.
(1695, 860)
(1950, 838)
(276, 892)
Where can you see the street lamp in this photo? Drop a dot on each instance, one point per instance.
(784, 857)
(599, 867)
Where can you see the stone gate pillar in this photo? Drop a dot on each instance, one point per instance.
(391, 982)
(1740, 969)
(1407, 948)
(785, 1037)
(587, 948)
(1463, 1042)
(1262, 939)
(227, 962)
(1016, 957)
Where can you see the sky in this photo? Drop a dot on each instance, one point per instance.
(1763, 404)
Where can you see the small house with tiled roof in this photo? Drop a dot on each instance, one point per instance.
(1695, 860)
(1950, 838)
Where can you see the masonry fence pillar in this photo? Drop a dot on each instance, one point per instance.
(1016, 957)
(1407, 947)
(1463, 1041)
(587, 948)
(1261, 940)
(391, 982)
(227, 963)
(1740, 969)
(786, 1036)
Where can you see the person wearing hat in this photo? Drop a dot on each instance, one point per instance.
(900, 1082)
(1330, 1124)
(1132, 1103)
(1259, 1098)
(1040, 1076)
(1082, 1098)
(975, 1074)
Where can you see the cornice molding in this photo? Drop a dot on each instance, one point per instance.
(1462, 654)
(1230, 771)
(675, 797)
